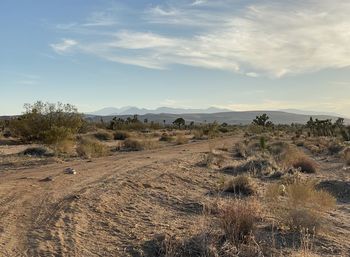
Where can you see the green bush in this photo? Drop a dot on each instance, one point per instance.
(47, 123)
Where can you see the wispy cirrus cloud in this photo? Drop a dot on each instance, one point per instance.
(265, 38)
(64, 46)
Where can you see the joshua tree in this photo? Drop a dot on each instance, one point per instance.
(179, 122)
(262, 120)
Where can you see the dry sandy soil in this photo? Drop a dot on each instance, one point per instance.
(116, 205)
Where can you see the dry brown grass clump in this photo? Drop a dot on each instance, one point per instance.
(305, 164)
(165, 137)
(198, 134)
(300, 205)
(347, 156)
(89, 148)
(256, 166)
(242, 185)
(238, 219)
(212, 160)
(299, 160)
(181, 139)
(39, 151)
(103, 135)
(240, 150)
(139, 144)
(121, 135)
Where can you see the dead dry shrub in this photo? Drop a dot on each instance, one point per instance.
(238, 219)
(39, 151)
(198, 134)
(65, 146)
(181, 139)
(103, 135)
(335, 148)
(257, 166)
(121, 135)
(139, 144)
(305, 164)
(347, 156)
(278, 149)
(299, 160)
(242, 185)
(165, 137)
(212, 160)
(240, 150)
(305, 193)
(299, 205)
(89, 148)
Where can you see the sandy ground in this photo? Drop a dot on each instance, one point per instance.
(116, 205)
(109, 208)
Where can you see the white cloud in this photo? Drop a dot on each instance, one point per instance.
(64, 46)
(266, 38)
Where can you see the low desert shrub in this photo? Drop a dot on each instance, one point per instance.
(47, 123)
(298, 159)
(305, 193)
(305, 164)
(347, 156)
(212, 159)
(181, 139)
(238, 219)
(37, 151)
(240, 150)
(121, 135)
(277, 149)
(300, 205)
(89, 148)
(242, 185)
(165, 137)
(103, 135)
(257, 166)
(133, 145)
(198, 134)
(139, 145)
(335, 148)
(303, 219)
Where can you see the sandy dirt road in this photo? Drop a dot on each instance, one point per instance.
(111, 207)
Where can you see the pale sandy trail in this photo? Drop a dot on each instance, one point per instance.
(112, 205)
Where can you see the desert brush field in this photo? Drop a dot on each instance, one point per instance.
(174, 190)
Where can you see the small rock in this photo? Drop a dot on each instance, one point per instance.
(146, 185)
(47, 179)
(70, 171)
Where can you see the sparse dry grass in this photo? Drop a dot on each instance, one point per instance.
(299, 205)
(103, 135)
(140, 144)
(198, 134)
(238, 219)
(121, 135)
(89, 148)
(165, 137)
(305, 164)
(299, 160)
(347, 156)
(181, 139)
(242, 185)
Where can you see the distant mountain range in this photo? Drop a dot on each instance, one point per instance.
(130, 110)
(208, 115)
(246, 117)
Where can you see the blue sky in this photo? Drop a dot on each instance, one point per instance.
(242, 55)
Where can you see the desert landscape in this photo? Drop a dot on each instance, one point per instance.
(174, 128)
(73, 187)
